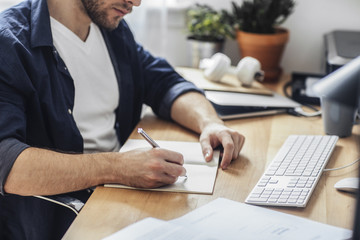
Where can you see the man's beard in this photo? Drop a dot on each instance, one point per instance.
(99, 15)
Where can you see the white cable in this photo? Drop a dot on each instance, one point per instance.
(333, 169)
(300, 111)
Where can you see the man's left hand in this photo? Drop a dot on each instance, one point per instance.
(216, 134)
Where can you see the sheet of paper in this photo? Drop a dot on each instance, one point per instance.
(148, 228)
(231, 220)
(201, 175)
(242, 221)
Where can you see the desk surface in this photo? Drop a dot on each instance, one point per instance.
(109, 210)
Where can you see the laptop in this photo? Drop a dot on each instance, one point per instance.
(232, 105)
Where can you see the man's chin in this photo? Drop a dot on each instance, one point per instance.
(111, 25)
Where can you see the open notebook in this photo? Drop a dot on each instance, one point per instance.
(201, 175)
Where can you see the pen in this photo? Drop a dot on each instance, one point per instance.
(148, 138)
(151, 141)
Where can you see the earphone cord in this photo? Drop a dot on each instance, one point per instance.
(348, 165)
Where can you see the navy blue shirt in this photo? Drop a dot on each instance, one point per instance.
(37, 98)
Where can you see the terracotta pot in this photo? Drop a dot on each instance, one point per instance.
(267, 48)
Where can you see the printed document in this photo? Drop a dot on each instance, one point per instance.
(231, 220)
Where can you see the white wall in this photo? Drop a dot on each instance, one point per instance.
(308, 24)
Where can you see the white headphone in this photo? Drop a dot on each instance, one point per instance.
(247, 70)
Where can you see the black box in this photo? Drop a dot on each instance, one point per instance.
(299, 87)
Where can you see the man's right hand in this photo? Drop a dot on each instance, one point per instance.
(148, 168)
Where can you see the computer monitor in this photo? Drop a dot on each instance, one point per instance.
(339, 93)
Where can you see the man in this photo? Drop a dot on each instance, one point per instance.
(72, 84)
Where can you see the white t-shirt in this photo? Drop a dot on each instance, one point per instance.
(96, 87)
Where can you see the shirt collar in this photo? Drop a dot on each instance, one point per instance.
(40, 24)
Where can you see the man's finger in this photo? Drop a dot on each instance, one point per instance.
(207, 150)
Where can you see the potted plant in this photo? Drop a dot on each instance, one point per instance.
(258, 33)
(207, 30)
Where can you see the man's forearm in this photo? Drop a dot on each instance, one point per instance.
(43, 172)
(194, 111)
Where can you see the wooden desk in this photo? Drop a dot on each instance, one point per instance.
(109, 210)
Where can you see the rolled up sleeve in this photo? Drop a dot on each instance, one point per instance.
(9, 151)
(173, 93)
(162, 83)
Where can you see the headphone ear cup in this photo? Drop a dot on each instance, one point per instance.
(220, 63)
(247, 69)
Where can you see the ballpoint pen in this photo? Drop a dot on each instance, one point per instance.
(151, 141)
(148, 138)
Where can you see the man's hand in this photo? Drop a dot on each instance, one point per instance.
(216, 134)
(149, 168)
(195, 112)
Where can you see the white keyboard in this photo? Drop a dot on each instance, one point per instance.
(293, 174)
